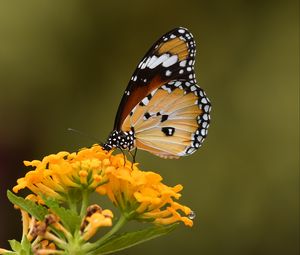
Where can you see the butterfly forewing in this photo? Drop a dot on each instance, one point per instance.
(171, 57)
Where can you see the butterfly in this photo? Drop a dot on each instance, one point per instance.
(163, 110)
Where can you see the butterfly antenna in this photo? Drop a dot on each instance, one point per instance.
(92, 138)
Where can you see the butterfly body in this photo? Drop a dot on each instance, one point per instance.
(120, 139)
(163, 110)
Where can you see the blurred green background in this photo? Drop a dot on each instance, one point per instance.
(66, 64)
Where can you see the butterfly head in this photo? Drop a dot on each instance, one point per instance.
(120, 139)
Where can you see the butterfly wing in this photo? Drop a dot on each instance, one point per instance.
(174, 123)
(168, 111)
(171, 57)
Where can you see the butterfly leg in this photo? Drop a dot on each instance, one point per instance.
(133, 155)
(124, 156)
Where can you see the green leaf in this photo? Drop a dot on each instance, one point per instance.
(122, 241)
(26, 245)
(68, 217)
(38, 211)
(23, 248)
(15, 245)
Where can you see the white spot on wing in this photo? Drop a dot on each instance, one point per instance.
(145, 101)
(193, 88)
(145, 63)
(158, 61)
(170, 61)
(168, 73)
(182, 63)
(166, 89)
(203, 100)
(205, 116)
(153, 59)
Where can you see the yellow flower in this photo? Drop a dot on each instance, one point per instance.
(56, 174)
(96, 221)
(141, 195)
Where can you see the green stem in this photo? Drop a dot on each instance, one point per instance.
(85, 202)
(72, 204)
(92, 246)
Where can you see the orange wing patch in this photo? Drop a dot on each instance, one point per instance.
(156, 151)
(174, 46)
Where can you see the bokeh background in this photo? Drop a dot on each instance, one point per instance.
(66, 64)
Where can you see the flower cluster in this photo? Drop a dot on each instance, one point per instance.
(70, 178)
(142, 195)
(59, 173)
(138, 194)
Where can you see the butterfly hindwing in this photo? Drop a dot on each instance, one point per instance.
(174, 122)
(171, 57)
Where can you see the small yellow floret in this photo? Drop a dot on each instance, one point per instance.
(97, 220)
